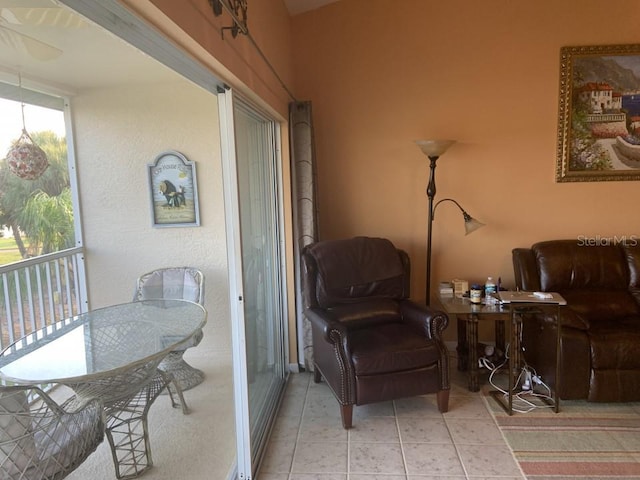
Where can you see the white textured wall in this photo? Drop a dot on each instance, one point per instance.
(117, 133)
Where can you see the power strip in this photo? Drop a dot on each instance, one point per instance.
(530, 379)
(526, 379)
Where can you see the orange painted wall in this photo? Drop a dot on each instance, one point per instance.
(383, 74)
(192, 25)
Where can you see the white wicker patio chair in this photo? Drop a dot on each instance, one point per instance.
(183, 283)
(40, 439)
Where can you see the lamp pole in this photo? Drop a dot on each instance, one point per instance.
(434, 149)
(431, 193)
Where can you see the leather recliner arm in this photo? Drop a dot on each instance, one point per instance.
(430, 322)
(333, 358)
(324, 321)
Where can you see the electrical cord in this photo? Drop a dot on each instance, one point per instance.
(527, 377)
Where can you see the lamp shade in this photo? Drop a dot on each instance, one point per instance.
(471, 225)
(434, 148)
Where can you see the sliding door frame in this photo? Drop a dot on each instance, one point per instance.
(249, 453)
(119, 20)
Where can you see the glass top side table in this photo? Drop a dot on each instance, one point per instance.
(468, 316)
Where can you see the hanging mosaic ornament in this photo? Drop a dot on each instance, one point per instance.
(26, 159)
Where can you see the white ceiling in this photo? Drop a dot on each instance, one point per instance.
(50, 45)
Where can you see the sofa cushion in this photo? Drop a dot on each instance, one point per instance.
(391, 348)
(614, 346)
(601, 306)
(570, 319)
(567, 265)
(366, 313)
(614, 386)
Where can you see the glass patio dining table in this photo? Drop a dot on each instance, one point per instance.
(111, 353)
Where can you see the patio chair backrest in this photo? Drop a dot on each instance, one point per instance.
(184, 283)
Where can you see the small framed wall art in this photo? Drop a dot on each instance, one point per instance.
(599, 114)
(174, 191)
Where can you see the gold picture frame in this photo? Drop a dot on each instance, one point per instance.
(599, 114)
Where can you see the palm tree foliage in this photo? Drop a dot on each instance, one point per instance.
(48, 221)
(41, 209)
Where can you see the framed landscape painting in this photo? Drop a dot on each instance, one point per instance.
(599, 114)
(174, 191)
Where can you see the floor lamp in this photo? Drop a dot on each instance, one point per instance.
(434, 149)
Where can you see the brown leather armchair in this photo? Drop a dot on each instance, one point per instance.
(370, 342)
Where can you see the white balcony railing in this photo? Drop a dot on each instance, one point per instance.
(606, 117)
(40, 292)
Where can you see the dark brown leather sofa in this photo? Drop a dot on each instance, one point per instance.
(600, 342)
(370, 342)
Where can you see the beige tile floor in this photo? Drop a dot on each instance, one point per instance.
(406, 439)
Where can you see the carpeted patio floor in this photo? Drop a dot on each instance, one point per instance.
(586, 441)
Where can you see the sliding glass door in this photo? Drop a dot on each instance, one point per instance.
(254, 232)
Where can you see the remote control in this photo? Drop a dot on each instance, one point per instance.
(542, 295)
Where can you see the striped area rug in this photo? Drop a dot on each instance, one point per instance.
(586, 441)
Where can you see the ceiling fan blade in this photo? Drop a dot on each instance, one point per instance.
(21, 42)
(49, 17)
(27, 4)
(9, 38)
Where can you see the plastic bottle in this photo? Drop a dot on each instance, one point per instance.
(489, 290)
